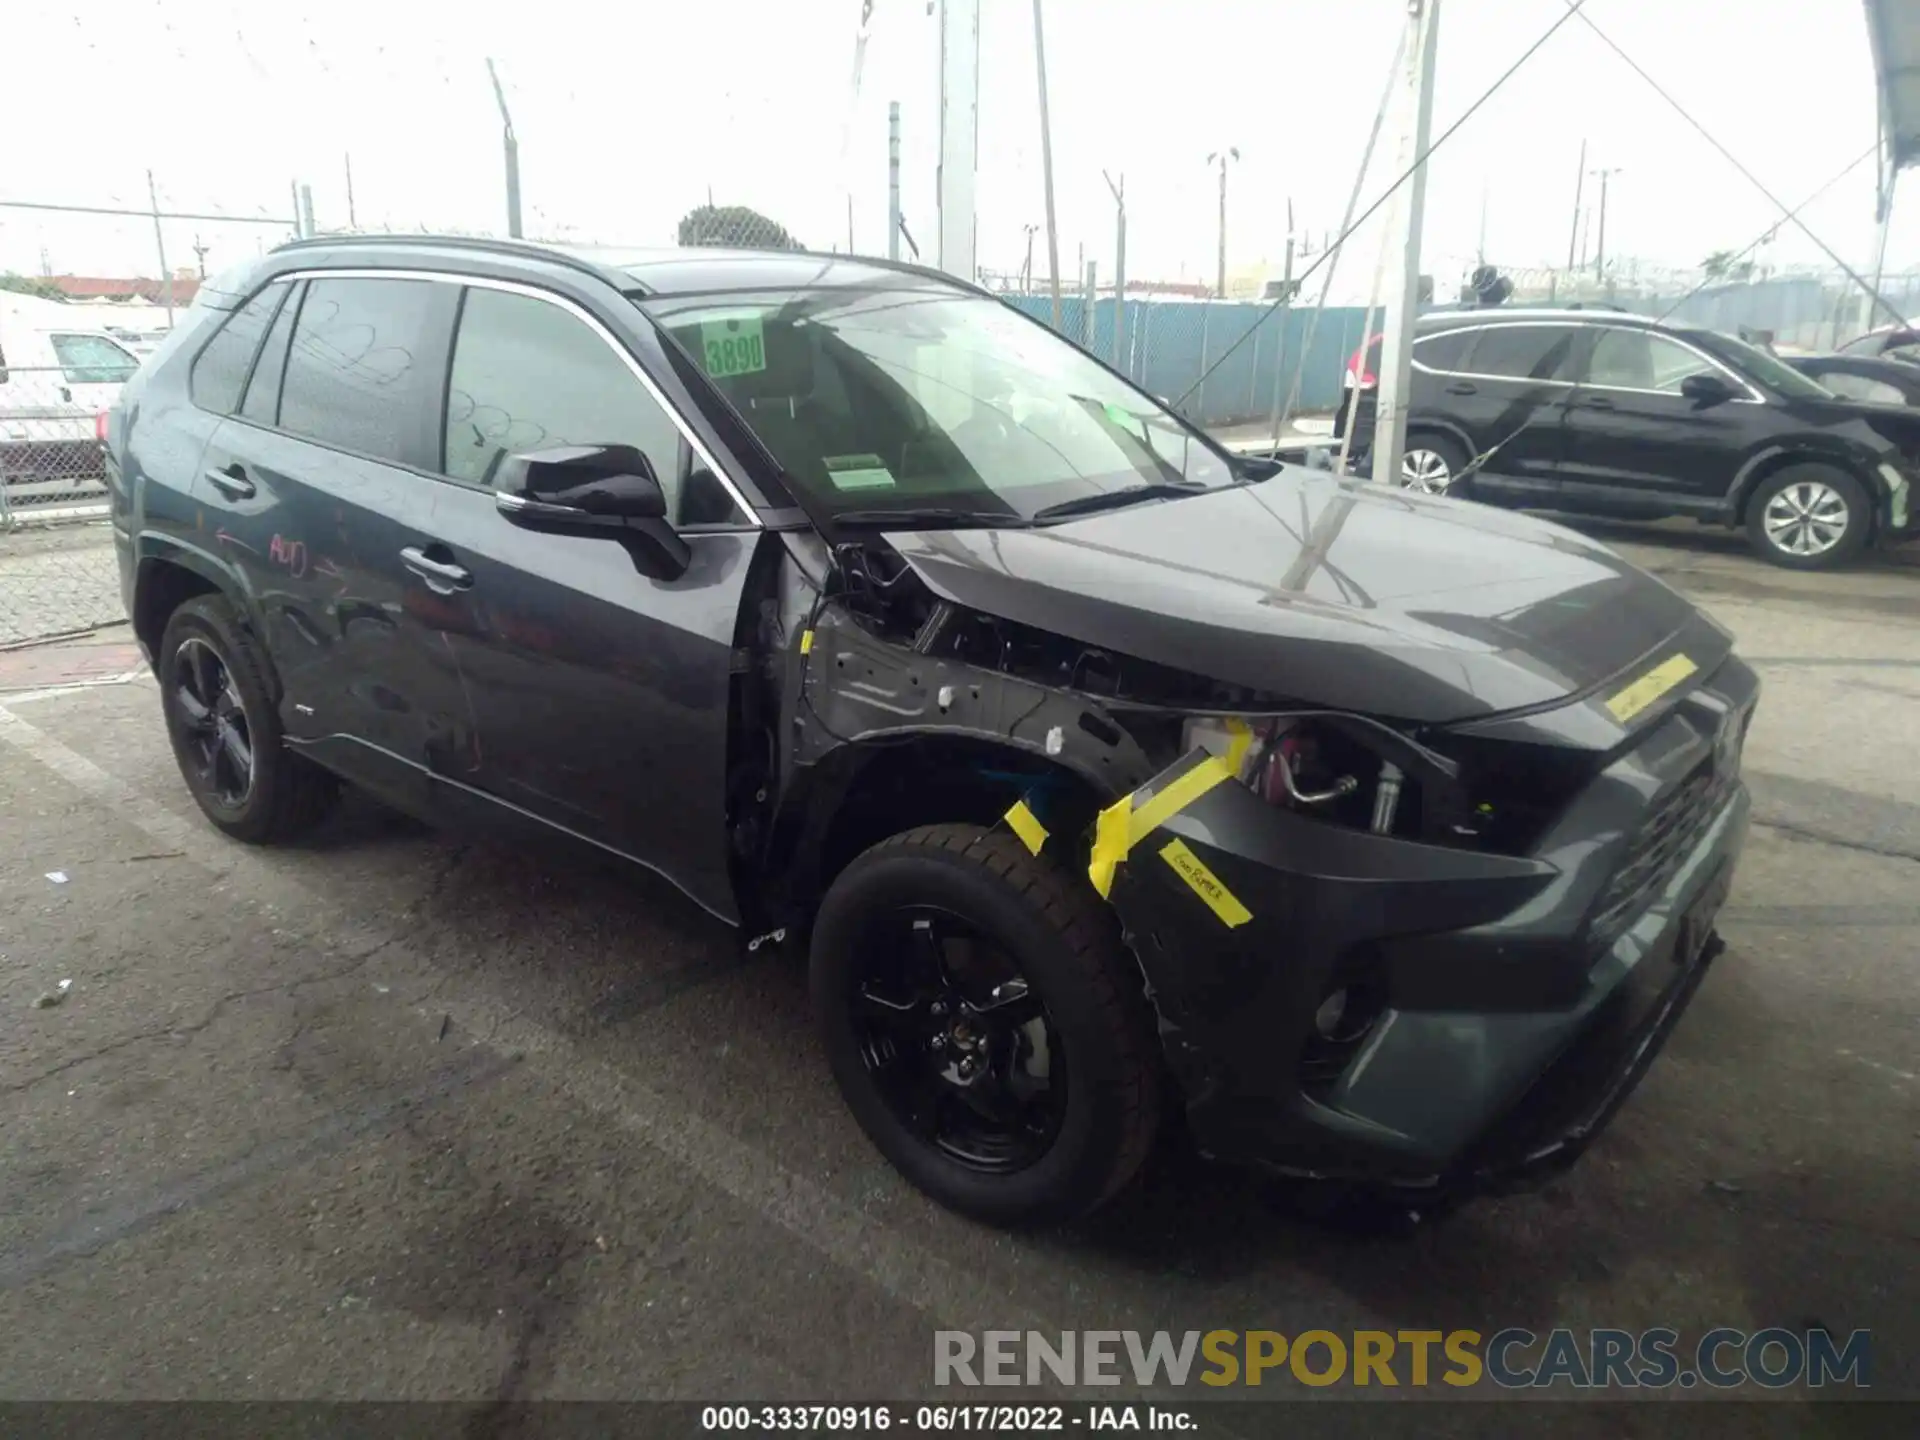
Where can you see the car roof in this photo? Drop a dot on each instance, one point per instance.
(666, 270)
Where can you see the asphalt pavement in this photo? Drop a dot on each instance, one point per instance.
(395, 1115)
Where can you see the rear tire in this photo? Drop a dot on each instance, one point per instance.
(220, 702)
(1089, 1026)
(1432, 464)
(1809, 517)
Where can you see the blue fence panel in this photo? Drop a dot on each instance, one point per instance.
(1165, 346)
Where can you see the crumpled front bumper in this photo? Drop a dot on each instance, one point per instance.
(1517, 999)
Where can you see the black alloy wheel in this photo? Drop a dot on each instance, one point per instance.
(221, 701)
(958, 1041)
(213, 721)
(986, 1025)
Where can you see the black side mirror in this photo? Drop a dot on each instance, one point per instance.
(609, 491)
(1705, 390)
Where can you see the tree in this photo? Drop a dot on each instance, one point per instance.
(736, 226)
(31, 285)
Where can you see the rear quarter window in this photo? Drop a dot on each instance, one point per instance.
(220, 369)
(1445, 351)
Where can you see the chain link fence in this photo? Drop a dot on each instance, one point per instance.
(57, 570)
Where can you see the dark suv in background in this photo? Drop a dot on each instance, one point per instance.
(1605, 413)
(1102, 772)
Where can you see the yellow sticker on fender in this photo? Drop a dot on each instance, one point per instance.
(1650, 687)
(1207, 885)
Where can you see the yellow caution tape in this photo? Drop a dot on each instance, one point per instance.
(1024, 823)
(1121, 827)
(806, 642)
(1207, 885)
(1650, 687)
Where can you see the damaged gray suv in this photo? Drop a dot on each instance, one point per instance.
(1108, 777)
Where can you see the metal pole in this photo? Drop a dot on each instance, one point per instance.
(306, 208)
(1206, 326)
(1346, 223)
(959, 134)
(1086, 307)
(160, 246)
(1579, 188)
(1396, 350)
(1880, 250)
(1119, 268)
(353, 222)
(1220, 279)
(1600, 240)
(893, 180)
(298, 232)
(1046, 162)
(512, 149)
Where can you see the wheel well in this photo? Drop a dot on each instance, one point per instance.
(1768, 468)
(893, 787)
(161, 589)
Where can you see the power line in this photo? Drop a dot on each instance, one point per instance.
(1419, 160)
(1792, 216)
(1761, 238)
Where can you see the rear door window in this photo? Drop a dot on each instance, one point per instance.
(1524, 352)
(220, 370)
(365, 366)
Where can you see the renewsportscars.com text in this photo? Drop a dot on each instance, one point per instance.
(1511, 1358)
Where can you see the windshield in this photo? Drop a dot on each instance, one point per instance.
(1771, 370)
(920, 398)
(92, 360)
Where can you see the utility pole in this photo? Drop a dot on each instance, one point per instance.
(353, 222)
(512, 148)
(1885, 209)
(200, 249)
(893, 180)
(1119, 269)
(306, 208)
(1046, 163)
(959, 134)
(1579, 185)
(160, 246)
(1396, 349)
(1600, 241)
(1222, 156)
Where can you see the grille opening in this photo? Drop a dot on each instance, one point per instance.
(1664, 839)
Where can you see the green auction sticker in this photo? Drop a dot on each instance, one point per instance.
(1127, 421)
(858, 472)
(733, 345)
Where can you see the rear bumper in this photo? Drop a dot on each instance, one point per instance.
(1516, 1001)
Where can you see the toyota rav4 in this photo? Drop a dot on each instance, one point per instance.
(1103, 774)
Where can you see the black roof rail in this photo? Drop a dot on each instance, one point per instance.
(525, 249)
(533, 249)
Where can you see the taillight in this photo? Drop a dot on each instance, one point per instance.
(1358, 365)
(100, 427)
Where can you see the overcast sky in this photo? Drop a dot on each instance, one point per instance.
(629, 115)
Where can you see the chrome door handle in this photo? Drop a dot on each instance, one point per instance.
(1463, 387)
(442, 577)
(232, 481)
(1598, 402)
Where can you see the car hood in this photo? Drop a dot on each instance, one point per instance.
(1327, 591)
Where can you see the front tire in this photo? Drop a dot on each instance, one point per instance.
(219, 700)
(986, 1025)
(1809, 517)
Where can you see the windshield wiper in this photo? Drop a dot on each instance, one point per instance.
(926, 519)
(1114, 499)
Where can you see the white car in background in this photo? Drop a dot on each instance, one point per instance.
(56, 383)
